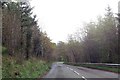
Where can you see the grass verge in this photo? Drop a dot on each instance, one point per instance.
(32, 68)
(100, 67)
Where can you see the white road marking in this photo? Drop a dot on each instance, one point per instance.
(84, 78)
(71, 69)
(77, 73)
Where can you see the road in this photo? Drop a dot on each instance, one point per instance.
(60, 70)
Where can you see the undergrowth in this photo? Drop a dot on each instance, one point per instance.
(32, 68)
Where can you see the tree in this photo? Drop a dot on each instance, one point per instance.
(26, 28)
(11, 27)
(97, 43)
(21, 34)
(118, 34)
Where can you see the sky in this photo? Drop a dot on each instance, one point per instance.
(59, 18)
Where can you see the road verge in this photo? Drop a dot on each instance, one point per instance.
(115, 69)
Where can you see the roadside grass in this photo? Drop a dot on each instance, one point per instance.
(32, 68)
(0, 72)
(0, 62)
(4, 50)
(115, 69)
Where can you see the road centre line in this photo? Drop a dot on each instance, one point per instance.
(84, 78)
(77, 73)
(67, 67)
(71, 69)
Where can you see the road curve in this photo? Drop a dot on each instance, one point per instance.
(60, 70)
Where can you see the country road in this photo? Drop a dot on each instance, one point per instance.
(60, 70)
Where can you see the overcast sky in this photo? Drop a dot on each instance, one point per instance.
(62, 17)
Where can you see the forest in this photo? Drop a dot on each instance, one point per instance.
(23, 40)
(25, 44)
(97, 42)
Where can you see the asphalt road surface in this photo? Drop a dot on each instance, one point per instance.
(60, 70)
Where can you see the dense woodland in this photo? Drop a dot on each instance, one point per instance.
(22, 37)
(97, 42)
